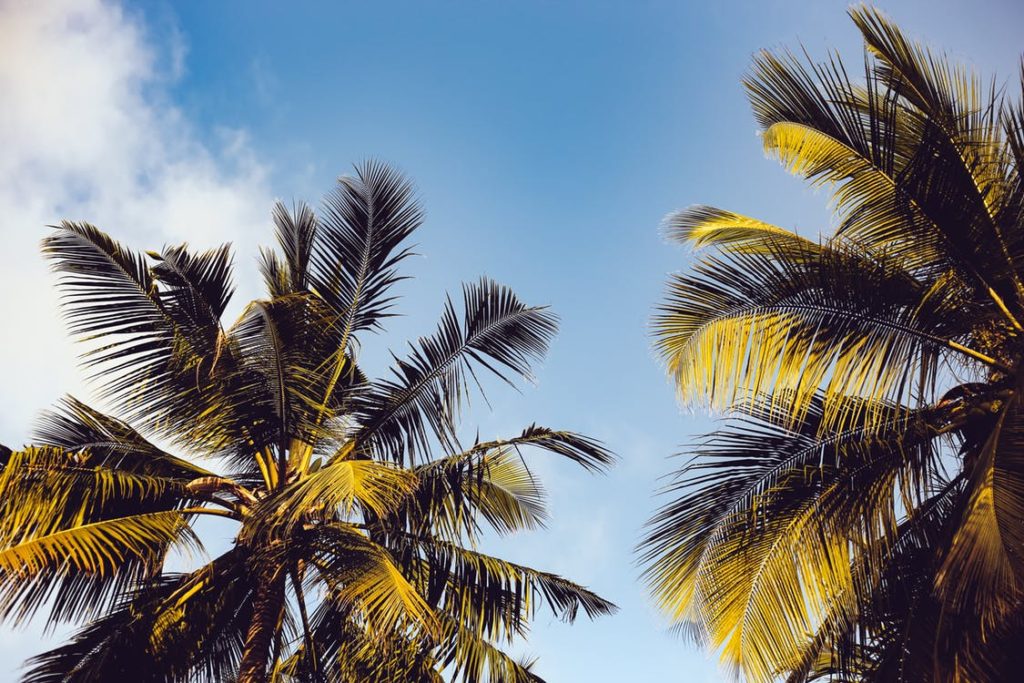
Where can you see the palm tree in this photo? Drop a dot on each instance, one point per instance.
(357, 505)
(860, 514)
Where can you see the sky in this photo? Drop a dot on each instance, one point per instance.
(547, 141)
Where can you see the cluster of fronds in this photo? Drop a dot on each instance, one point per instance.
(861, 516)
(357, 507)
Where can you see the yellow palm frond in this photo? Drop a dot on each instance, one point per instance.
(343, 486)
(704, 226)
(362, 574)
(44, 489)
(97, 547)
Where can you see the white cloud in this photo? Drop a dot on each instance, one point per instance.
(88, 132)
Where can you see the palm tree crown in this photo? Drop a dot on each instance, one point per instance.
(358, 506)
(861, 515)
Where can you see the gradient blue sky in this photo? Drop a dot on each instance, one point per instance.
(547, 140)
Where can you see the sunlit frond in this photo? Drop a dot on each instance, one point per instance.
(789, 324)
(770, 521)
(344, 487)
(361, 573)
(704, 226)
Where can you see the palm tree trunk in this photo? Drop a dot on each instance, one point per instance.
(265, 616)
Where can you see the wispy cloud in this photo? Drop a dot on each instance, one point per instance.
(89, 131)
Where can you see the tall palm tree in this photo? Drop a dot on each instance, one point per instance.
(357, 505)
(860, 514)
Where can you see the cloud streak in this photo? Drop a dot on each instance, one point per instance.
(90, 132)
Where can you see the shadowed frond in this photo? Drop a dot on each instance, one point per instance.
(497, 332)
(296, 233)
(357, 248)
(75, 427)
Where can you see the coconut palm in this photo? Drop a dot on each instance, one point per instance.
(860, 514)
(357, 504)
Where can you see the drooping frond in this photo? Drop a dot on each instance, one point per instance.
(771, 519)
(984, 569)
(181, 627)
(914, 157)
(363, 574)
(490, 596)
(75, 427)
(474, 659)
(491, 484)
(88, 562)
(50, 500)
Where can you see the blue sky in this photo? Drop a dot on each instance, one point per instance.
(547, 140)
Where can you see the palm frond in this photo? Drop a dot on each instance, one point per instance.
(497, 332)
(773, 517)
(493, 597)
(704, 226)
(343, 488)
(75, 427)
(474, 659)
(296, 233)
(357, 244)
(151, 348)
(196, 287)
(362, 574)
(791, 323)
(180, 627)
